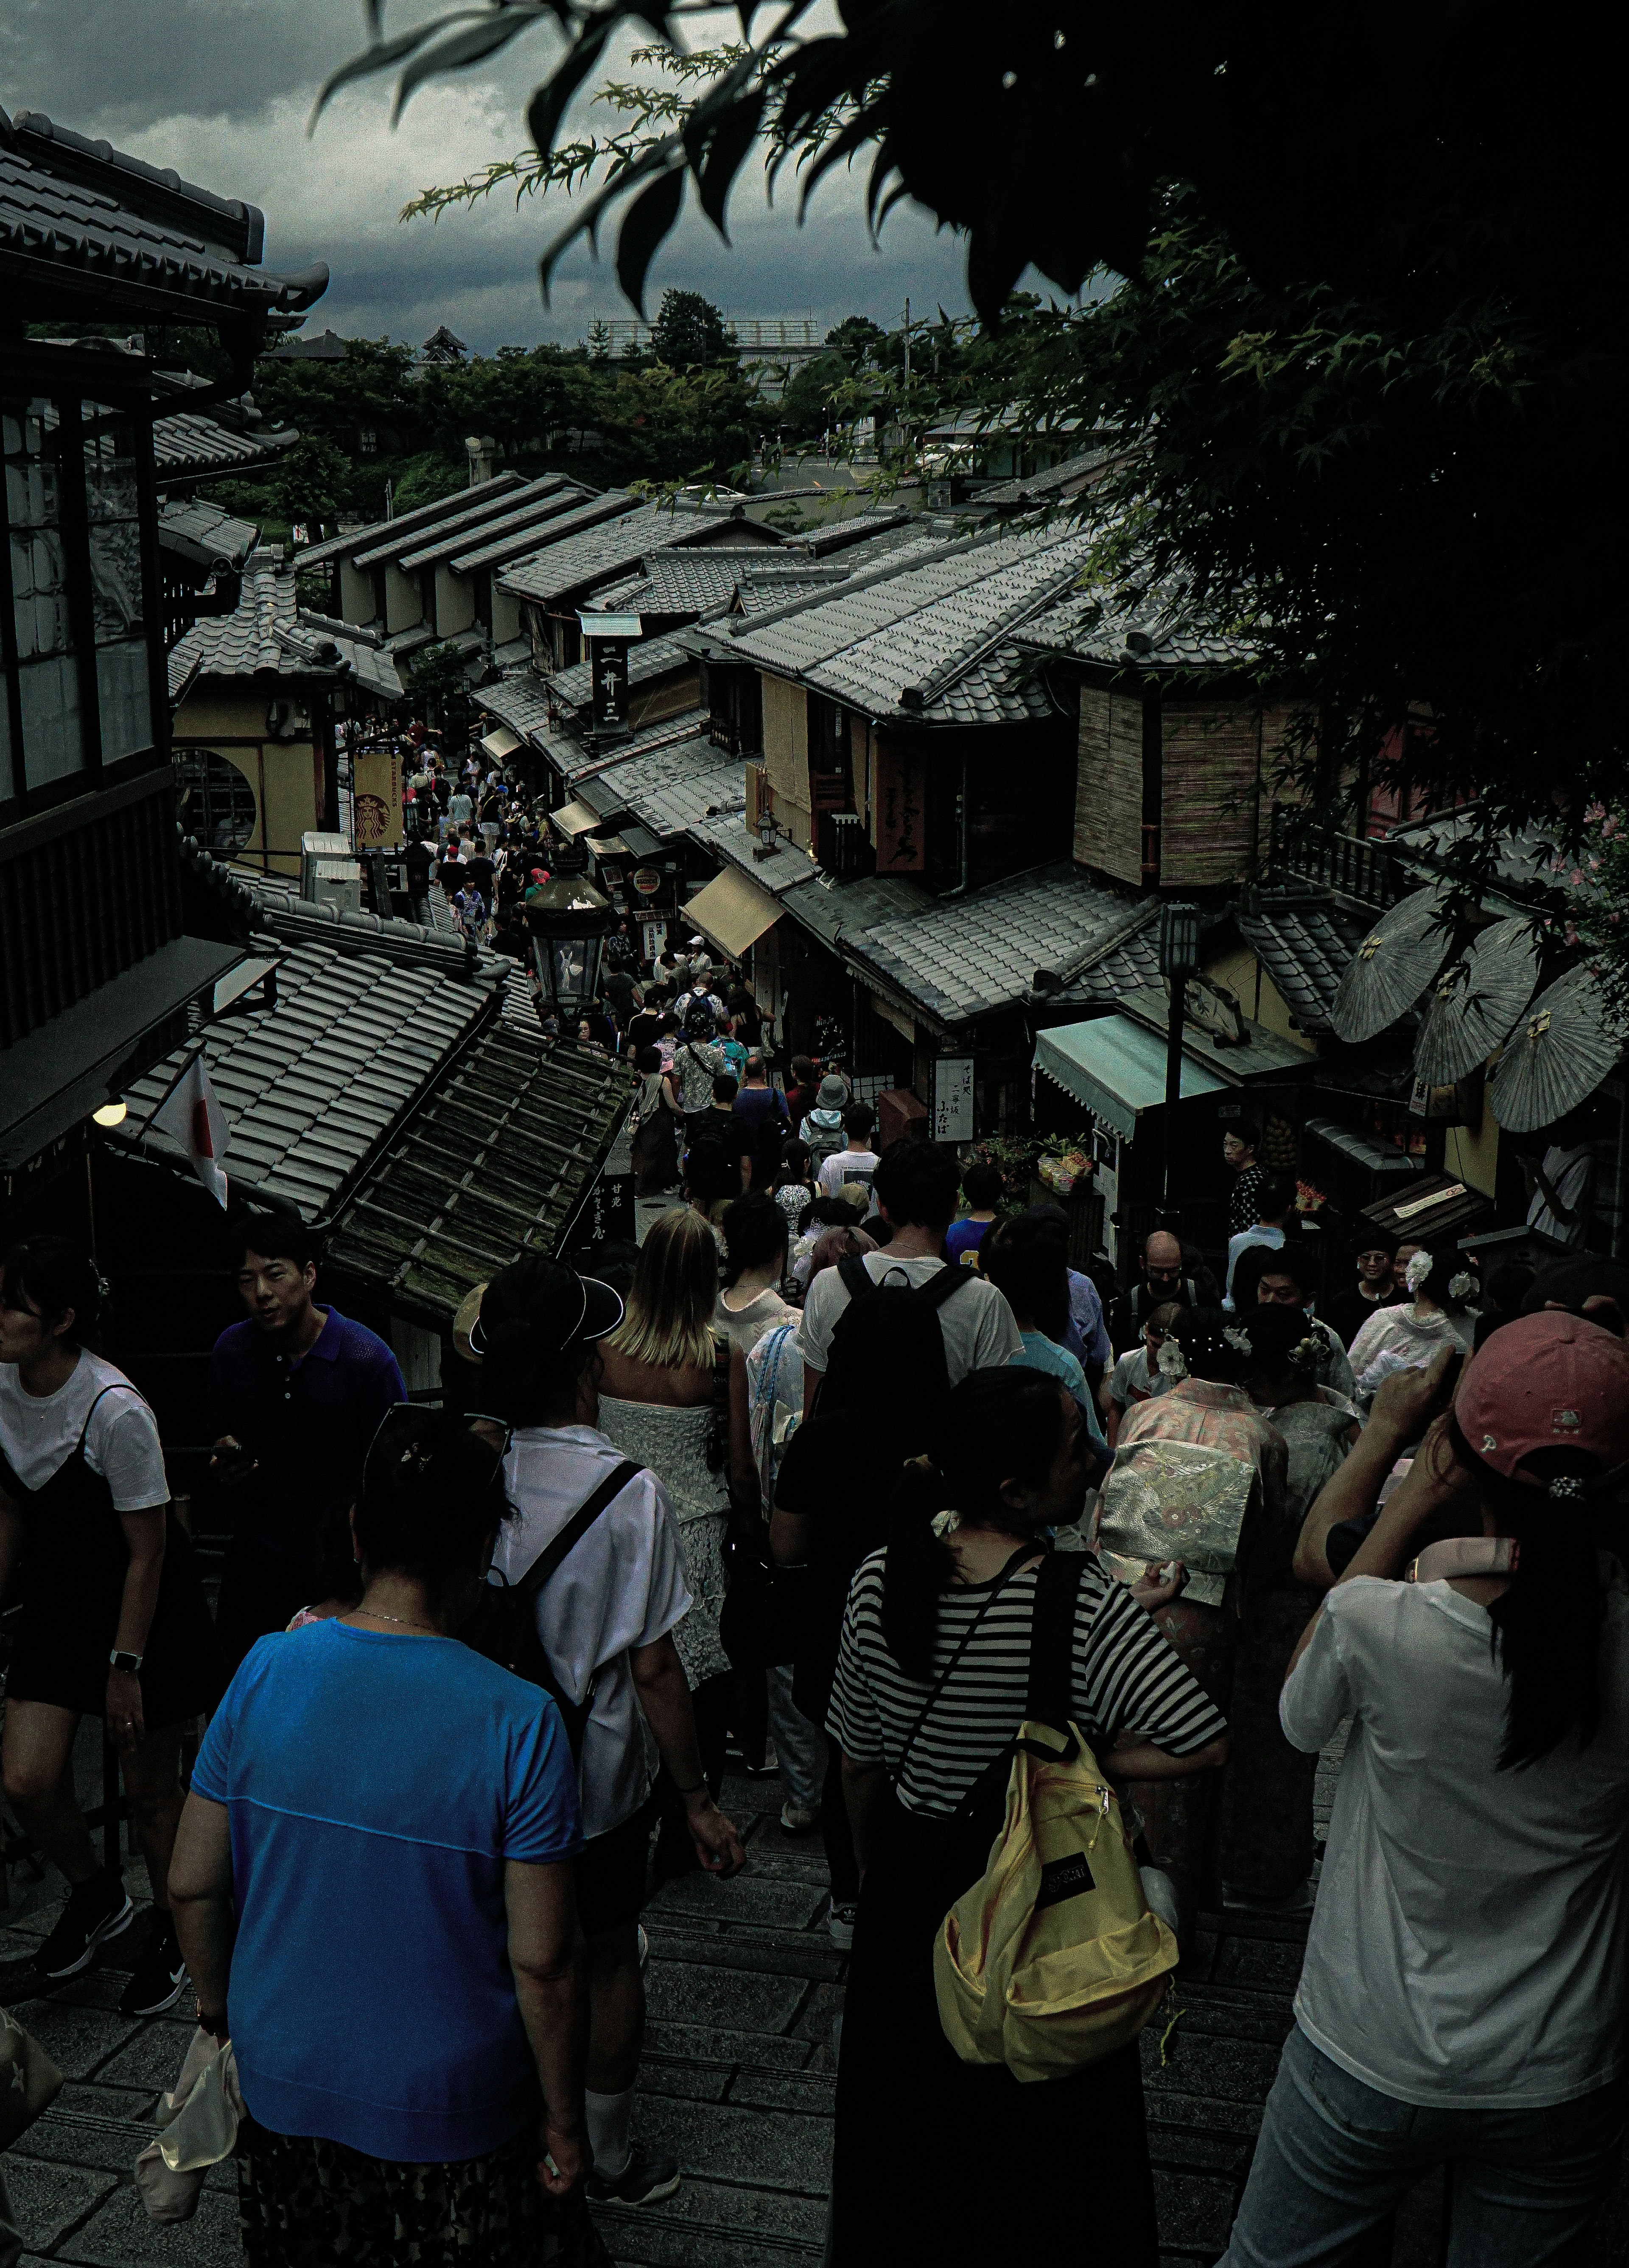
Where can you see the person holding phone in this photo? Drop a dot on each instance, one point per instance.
(1464, 1994)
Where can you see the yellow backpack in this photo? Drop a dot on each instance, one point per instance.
(1052, 1959)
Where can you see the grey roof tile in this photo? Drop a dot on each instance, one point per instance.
(647, 659)
(1165, 629)
(605, 553)
(423, 516)
(118, 229)
(186, 444)
(283, 1094)
(203, 535)
(1304, 941)
(249, 640)
(967, 957)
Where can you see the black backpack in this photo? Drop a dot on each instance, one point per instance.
(504, 1624)
(881, 1320)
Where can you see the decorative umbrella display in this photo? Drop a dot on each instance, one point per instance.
(1391, 968)
(1560, 1053)
(1477, 1001)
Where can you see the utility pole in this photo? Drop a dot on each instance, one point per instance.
(908, 342)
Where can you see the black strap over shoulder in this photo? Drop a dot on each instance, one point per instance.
(1051, 1640)
(944, 1286)
(111, 1387)
(856, 1276)
(576, 1528)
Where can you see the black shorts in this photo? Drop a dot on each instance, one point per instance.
(611, 1875)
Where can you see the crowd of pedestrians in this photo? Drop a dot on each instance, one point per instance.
(856, 1468)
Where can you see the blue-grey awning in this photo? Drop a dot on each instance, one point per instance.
(1116, 1068)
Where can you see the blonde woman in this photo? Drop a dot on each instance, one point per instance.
(670, 1398)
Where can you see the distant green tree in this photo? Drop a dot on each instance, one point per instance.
(312, 483)
(599, 339)
(441, 691)
(812, 399)
(425, 479)
(857, 339)
(689, 332)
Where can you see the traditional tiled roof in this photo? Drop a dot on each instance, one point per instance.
(567, 520)
(582, 564)
(324, 346)
(673, 787)
(966, 957)
(188, 445)
(647, 659)
(203, 536)
(1304, 940)
(520, 701)
(1164, 630)
(314, 1086)
(1057, 481)
(902, 642)
(425, 516)
(469, 515)
(248, 640)
(82, 220)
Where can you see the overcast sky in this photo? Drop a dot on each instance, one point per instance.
(222, 90)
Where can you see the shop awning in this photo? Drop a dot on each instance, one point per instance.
(733, 913)
(574, 819)
(1117, 1069)
(501, 742)
(607, 846)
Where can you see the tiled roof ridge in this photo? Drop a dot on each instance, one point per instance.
(451, 529)
(358, 539)
(748, 625)
(160, 187)
(983, 644)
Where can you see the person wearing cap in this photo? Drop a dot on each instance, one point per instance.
(1464, 1993)
(607, 1620)
(822, 1130)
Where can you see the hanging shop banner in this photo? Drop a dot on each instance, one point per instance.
(376, 799)
(952, 1099)
(901, 809)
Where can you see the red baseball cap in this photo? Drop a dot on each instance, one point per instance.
(1546, 1381)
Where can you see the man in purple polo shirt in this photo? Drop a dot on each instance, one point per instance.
(296, 1395)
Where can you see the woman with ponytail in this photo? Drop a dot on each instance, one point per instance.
(931, 1684)
(1466, 1981)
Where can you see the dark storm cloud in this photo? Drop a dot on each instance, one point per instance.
(223, 89)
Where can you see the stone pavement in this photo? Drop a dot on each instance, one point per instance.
(738, 2082)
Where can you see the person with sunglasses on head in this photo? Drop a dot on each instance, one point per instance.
(1464, 1989)
(373, 1882)
(296, 1394)
(113, 1622)
(606, 1618)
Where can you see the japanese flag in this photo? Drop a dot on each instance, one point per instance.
(192, 1116)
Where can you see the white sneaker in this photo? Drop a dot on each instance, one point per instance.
(798, 1819)
(840, 1923)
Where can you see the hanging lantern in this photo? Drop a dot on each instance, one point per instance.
(570, 921)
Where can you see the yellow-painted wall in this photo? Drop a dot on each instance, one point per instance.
(1471, 1154)
(1239, 970)
(786, 755)
(228, 716)
(404, 601)
(455, 602)
(358, 594)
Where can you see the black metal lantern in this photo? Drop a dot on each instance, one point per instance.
(570, 921)
(1180, 939)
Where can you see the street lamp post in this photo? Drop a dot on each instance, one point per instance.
(1180, 959)
(570, 921)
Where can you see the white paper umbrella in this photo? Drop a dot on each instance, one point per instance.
(1476, 1002)
(1560, 1051)
(1391, 968)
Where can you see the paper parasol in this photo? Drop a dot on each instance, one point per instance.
(1477, 1001)
(1560, 1051)
(1391, 968)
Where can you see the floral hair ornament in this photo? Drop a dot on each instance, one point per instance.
(1460, 1287)
(1172, 1362)
(945, 1525)
(1308, 1353)
(1418, 1268)
(1237, 1339)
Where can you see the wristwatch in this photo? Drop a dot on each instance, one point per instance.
(130, 1662)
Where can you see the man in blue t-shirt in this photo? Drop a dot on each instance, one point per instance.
(296, 1394)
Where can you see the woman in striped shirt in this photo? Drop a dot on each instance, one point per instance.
(930, 1688)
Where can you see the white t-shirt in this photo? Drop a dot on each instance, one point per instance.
(39, 1432)
(1568, 1174)
(1134, 1378)
(980, 1333)
(623, 1585)
(1467, 1948)
(849, 1165)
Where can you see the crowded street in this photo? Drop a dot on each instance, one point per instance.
(814, 1150)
